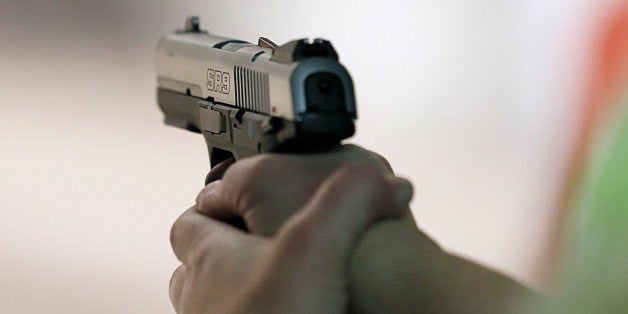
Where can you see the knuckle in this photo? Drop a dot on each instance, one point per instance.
(376, 160)
(174, 230)
(383, 161)
(177, 232)
(175, 287)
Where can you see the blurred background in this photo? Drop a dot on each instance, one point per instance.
(474, 101)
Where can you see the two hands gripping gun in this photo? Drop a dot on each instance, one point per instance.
(247, 99)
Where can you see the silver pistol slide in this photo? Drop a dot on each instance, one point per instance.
(247, 99)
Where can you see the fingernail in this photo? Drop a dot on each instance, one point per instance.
(218, 171)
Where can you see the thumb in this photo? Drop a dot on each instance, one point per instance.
(309, 257)
(351, 199)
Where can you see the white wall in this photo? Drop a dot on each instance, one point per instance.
(472, 100)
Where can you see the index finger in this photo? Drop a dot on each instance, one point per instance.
(194, 236)
(297, 176)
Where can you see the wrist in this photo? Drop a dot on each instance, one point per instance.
(396, 269)
(390, 263)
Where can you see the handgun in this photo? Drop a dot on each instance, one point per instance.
(247, 99)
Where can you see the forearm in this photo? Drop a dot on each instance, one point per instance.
(471, 288)
(414, 274)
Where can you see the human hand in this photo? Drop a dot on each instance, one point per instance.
(266, 190)
(394, 267)
(301, 269)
